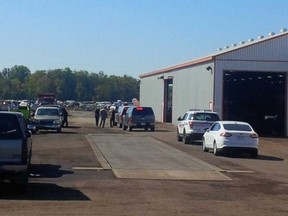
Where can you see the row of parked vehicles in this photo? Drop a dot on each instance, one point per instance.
(130, 117)
(16, 140)
(216, 135)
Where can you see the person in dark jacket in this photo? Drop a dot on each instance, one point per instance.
(65, 117)
(104, 115)
(97, 116)
(112, 117)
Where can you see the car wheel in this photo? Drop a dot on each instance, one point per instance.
(186, 138)
(152, 128)
(215, 150)
(59, 130)
(204, 146)
(179, 138)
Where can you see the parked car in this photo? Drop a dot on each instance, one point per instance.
(15, 149)
(193, 124)
(119, 115)
(231, 135)
(139, 117)
(47, 118)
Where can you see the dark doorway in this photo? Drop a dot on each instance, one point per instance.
(168, 92)
(257, 98)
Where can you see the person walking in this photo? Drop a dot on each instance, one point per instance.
(103, 114)
(112, 117)
(97, 116)
(65, 117)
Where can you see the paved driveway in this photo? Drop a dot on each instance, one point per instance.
(143, 157)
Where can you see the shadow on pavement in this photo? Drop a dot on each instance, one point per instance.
(42, 191)
(248, 156)
(47, 171)
(269, 158)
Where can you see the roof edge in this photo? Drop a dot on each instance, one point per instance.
(178, 66)
(212, 56)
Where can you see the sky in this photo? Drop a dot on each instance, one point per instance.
(128, 37)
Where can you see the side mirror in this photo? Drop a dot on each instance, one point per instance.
(207, 129)
(179, 118)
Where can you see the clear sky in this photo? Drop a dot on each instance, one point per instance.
(129, 37)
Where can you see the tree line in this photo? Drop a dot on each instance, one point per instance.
(19, 83)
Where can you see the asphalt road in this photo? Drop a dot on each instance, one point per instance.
(84, 171)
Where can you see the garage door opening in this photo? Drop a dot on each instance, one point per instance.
(257, 98)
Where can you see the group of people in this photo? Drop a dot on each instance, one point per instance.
(102, 115)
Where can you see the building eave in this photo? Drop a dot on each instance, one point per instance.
(212, 56)
(178, 66)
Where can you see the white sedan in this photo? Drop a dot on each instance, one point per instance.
(231, 135)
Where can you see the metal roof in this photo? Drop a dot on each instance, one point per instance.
(212, 56)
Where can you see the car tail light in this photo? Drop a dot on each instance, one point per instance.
(225, 134)
(254, 135)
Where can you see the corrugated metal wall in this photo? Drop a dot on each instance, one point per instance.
(152, 94)
(275, 49)
(193, 87)
(269, 56)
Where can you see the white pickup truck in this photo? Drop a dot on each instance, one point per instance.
(15, 149)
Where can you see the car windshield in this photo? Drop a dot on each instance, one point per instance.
(9, 127)
(206, 117)
(237, 127)
(51, 112)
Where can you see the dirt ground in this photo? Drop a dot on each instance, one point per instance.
(67, 179)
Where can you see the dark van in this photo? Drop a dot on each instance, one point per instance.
(139, 117)
(15, 149)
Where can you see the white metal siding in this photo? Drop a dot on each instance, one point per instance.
(192, 89)
(193, 86)
(152, 94)
(275, 49)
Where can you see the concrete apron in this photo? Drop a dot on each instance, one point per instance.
(141, 157)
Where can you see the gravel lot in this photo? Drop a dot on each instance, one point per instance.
(67, 179)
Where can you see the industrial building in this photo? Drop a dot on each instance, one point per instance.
(246, 81)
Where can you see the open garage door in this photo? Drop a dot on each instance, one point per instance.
(257, 98)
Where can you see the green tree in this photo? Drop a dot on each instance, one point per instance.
(38, 82)
(19, 83)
